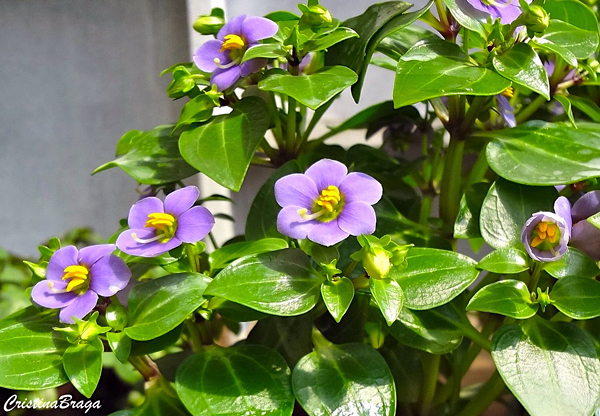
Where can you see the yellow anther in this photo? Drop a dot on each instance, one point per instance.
(551, 230)
(545, 235)
(542, 226)
(160, 220)
(536, 242)
(541, 235)
(552, 238)
(75, 283)
(232, 42)
(509, 92)
(77, 276)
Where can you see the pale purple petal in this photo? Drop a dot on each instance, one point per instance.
(79, 307)
(296, 189)
(327, 172)
(291, 224)
(586, 206)
(90, 255)
(562, 208)
(60, 260)
(252, 66)
(234, 26)
(327, 233)
(205, 55)
(357, 218)
(225, 78)
(138, 214)
(194, 224)
(586, 238)
(47, 296)
(361, 187)
(179, 201)
(506, 111)
(559, 250)
(109, 275)
(128, 245)
(507, 11)
(255, 28)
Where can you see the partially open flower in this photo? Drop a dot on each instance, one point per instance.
(156, 228)
(585, 236)
(74, 279)
(546, 234)
(326, 204)
(506, 110)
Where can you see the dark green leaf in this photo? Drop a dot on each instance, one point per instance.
(120, 344)
(279, 283)
(236, 312)
(508, 297)
(396, 44)
(223, 147)
(405, 365)
(266, 50)
(522, 65)
(568, 41)
(505, 261)
(337, 296)
(587, 106)
(577, 297)
(473, 20)
(160, 401)
(252, 380)
(197, 110)
(573, 12)
(328, 40)
(573, 264)
(389, 297)
(156, 307)
(157, 344)
(566, 103)
(221, 257)
(467, 220)
(83, 365)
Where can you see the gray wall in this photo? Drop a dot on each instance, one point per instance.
(76, 75)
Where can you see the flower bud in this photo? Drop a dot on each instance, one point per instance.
(208, 25)
(83, 330)
(542, 298)
(376, 262)
(536, 19)
(315, 15)
(116, 316)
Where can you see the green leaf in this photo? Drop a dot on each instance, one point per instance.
(507, 297)
(573, 12)
(521, 64)
(197, 110)
(467, 220)
(221, 257)
(265, 50)
(156, 344)
(157, 306)
(152, 158)
(396, 44)
(120, 344)
(505, 261)
(440, 68)
(433, 277)
(223, 147)
(425, 330)
(279, 283)
(551, 367)
(507, 207)
(473, 20)
(573, 264)
(337, 296)
(252, 380)
(312, 90)
(160, 400)
(568, 41)
(359, 382)
(594, 220)
(389, 297)
(587, 106)
(328, 40)
(566, 103)
(262, 217)
(405, 365)
(83, 365)
(29, 342)
(577, 297)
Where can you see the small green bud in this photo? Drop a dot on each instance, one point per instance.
(83, 330)
(208, 25)
(376, 334)
(315, 15)
(536, 19)
(116, 316)
(376, 262)
(399, 254)
(330, 269)
(542, 298)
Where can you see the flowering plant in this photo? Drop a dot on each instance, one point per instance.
(354, 289)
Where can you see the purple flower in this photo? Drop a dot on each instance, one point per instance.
(585, 236)
(156, 228)
(505, 10)
(326, 204)
(546, 234)
(222, 56)
(74, 279)
(506, 110)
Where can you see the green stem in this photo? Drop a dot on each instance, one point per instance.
(450, 187)
(194, 335)
(477, 105)
(269, 151)
(291, 124)
(350, 268)
(277, 131)
(528, 111)
(145, 366)
(313, 123)
(192, 255)
(535, 275)
(430, 19)
(213, 241)
(484, 397)
(431, 367)
(480, 168)
(425, 212)
(442, 13)
(475, 349)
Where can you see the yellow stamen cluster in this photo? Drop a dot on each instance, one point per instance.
(160, 221)
(329, 198)
(233, 42)
(545, 231)
(509, 92)
(78, 276)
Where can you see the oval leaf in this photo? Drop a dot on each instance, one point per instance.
(389, 297)
(505, 261)
(219, 258)
(508, 297)
(573, 264)
(337, 296)
(83, 365)
(577, 297)
(522, 65)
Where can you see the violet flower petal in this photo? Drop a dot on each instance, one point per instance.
(290, 223)
(128, 245)
(233, 27)
(586, 206)
(179, 201)
(91, 254)
(361, 187)
(327, 172)
(296, 189)
(109, 275)
(252, 66)
(586, 237)
(138, 214)
(60, 260)
(562, 208)
(255, 28)
(46, 296)
(205, 55)
(194, 224)
(79, 307)
(225, 78)
(327, 233)
(506, 111)
(357, 218)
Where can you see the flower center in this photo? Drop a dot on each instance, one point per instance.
(165, 225)
(509, 92)
(233, 42)
(545, 236)
(326, 207)
(236, 46)
(78, 277)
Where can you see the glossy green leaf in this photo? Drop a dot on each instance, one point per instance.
(551, 367)
(568, 41)
(312, 90)
(425, 330)
(120, 344)
(156, 344)
(508, 297)
(467, 220)
(573, 264)
(568, 107)
(505, 261)
(594, 220)
(507, 207)
(521, 64)
(160, 401)
(156, 307)
(587, 106)
(223, 147)
(389, 297)
(405, 365)
(262, 217)
(152, 158)
(433, 277)
(197, 110)
(323, 42)
(244, 380)
(473, 20)
(236, 312)
(265, 50)
(359, 382)
(573, 12)
(83, 365)
(440, 68)
(219, 258)
(577, 297)
(279, 283)
(29, 342)
(397, 43)
(337, 296)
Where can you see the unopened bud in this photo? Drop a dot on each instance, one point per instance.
(376, 262)
(315, 15)
(536, 19)
(116, 316)
(208, 25)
